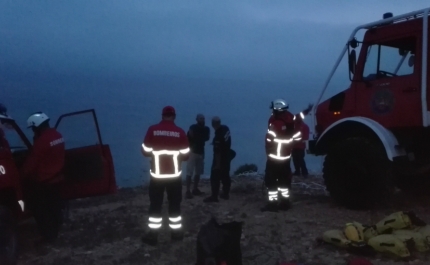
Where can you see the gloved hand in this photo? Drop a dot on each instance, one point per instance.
(308, 109)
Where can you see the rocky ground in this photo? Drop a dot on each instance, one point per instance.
(107, 230)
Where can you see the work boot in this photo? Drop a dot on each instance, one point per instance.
(270, 207)
(211, 199)
(177, 235)
(224, 196)
(150, 238)
(284, 205)
(188, 195)
(197, 192)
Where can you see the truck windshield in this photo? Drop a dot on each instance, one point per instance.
(13, 138)
(388, 59)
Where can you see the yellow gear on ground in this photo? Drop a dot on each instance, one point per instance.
(419, 239)
(336, 237)
(366, 232)
(352, 233)
(394, 221)
(391, 245)
(425, 231)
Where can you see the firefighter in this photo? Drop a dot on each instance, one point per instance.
(279, 141)
(43, 174)
(167, 145)
(222, 156)
(298, 153)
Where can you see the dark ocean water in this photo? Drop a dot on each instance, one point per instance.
(125, 108)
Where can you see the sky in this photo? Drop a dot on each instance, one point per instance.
(127, 59)
(252, 40)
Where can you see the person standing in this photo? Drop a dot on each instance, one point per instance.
(222, 155)
(43, 174)
(279, 141)
(167, 145)
(198, 134)
(299, 148)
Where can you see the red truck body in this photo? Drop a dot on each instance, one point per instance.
(386, 107)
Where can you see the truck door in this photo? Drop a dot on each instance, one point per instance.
(89, 169)
(390, 89)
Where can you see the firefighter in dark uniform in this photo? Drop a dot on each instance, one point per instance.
(279, 143)
(222, 156)
(167, 145)
(43, 176)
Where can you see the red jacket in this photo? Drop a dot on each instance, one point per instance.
(168, 146)
(281, 135)
(304, 129)
(46, 161)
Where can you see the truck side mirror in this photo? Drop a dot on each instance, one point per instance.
(352, 61)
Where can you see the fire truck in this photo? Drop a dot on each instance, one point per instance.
(88, 171)
(375, 134)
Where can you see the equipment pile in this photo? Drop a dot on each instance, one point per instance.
(396, 235)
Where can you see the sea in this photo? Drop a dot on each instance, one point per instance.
(125, 107)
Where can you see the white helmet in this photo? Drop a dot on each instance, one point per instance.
(36, 119)
(279, 104)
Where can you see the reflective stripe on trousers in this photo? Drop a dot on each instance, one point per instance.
(284, 192)
(273, 195)
(175, 222)
(155, 222)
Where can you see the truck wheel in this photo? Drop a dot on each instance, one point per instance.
(8, 239)
(355, 172)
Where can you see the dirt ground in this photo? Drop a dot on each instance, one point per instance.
(107, 230)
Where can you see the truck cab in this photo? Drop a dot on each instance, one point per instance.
(88, 171)
(383, 115)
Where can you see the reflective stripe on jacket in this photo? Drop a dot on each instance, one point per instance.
(168, 146)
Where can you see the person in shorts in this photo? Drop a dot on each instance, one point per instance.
(198, 134)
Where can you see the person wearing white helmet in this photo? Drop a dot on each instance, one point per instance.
(281, 135)
(42, 173)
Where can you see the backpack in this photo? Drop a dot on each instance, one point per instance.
(219, 244)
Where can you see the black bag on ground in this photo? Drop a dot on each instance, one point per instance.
(218, 243)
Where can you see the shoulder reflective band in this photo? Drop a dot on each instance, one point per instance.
(302, 115)
(271, 132)
(147, 149)
(184, 151)
(2, 170)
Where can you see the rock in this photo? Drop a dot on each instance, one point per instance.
(127, 239)
(243, 215)
(147, 255)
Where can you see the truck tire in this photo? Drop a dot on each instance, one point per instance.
(356, 173)
(8, 238)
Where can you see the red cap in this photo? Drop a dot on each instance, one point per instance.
(168, 110)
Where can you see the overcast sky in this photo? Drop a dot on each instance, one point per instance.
(243, 39)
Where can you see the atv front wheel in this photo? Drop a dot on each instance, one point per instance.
(356, 172)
